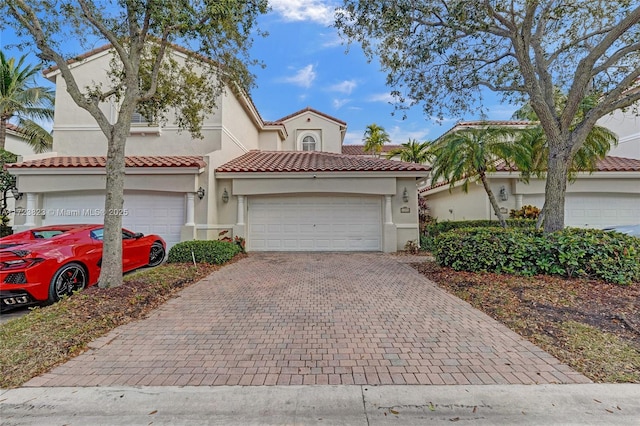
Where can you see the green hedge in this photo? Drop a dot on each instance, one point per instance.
(5, 231)
(610, 256)
(432, 230)
(209, 251)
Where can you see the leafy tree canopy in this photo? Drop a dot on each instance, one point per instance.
(442, 54)
(24, 102)
(145, 75)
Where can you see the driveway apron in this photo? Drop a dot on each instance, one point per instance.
(312, 318)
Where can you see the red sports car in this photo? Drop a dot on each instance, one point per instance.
(45, 264)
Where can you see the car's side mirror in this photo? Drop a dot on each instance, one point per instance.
(138, 235)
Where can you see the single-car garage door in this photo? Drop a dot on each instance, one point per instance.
(601, 210)
(315, 223)
(596, 210)
(160, 213)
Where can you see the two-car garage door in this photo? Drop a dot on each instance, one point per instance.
(315, 223)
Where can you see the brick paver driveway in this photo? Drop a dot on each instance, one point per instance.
(312, 318)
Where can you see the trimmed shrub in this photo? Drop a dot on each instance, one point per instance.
(433, 229)
(203, 251)
(573, 252)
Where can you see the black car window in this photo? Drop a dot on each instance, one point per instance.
(46, 234)
(97, 234)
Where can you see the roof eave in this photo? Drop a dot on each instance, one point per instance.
(320, 174)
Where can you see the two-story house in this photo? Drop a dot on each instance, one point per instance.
(281, 185)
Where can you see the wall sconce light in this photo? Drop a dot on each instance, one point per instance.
(200, 193)
(225, 196)
(504, 196)
(16, 194)
(405, 195)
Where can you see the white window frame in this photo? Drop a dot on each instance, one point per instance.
(315, 134)
(309, 143)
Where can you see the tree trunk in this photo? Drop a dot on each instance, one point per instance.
(111, 270)
(492, 200)
(540, 220)
(555, 189)
(3, 133)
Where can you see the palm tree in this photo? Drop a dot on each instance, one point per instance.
(24, 102)
(374, 138)
(596, 146)
(470, 154)
(412, 152)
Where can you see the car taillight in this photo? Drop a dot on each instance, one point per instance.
(19, 264)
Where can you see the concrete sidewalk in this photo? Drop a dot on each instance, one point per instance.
(587, 404)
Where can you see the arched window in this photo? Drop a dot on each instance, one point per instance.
(309, 143)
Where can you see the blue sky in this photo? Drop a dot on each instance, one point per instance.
(307, 65)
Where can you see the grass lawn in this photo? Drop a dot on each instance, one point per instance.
(589, 325)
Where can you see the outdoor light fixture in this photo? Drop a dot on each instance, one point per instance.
(16, 194)
(225, 196)
(200, 193)
(503, 194)
(405, 195)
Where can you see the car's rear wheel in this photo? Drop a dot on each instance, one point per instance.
(69, 278)
(157, 254)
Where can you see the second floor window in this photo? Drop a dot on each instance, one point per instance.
(308, 143)
(138, 118)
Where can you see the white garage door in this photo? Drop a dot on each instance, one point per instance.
(596, 210)
(601, 210)
(315, 223)
(160, 213)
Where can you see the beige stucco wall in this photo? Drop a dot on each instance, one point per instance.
(405, 214)
(269, 141)
(309, 122)
(77, 133)
(627, 126)
(237, 124)
(458, 205)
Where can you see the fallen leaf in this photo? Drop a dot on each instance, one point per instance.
(392, 411)
(455, 419)
(475, 408)
(153, 412)
(599, 402)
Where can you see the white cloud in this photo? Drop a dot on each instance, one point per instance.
(353, 138)
(321, 12)
(400, 134)
(346, 86)
(339, 103)
(382, 97)
(303, 77)
(397, 134)
(331, 40)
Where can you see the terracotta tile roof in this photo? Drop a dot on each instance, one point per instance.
(132, 161)
(290, 161)
(495, 123)
(608, 164)
(359, 149)
(309, 109)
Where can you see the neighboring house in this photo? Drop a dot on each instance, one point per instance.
(608, 196)
(626, 125)
(282, 185)
(14, 143)
(359, 150)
